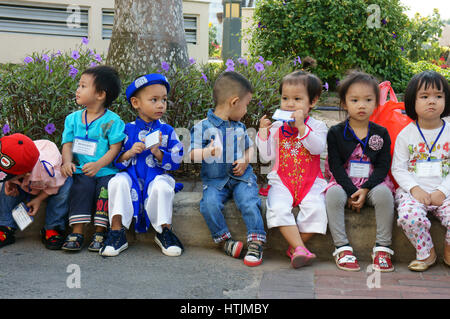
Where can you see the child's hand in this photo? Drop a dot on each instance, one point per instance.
(11, 189)
(239, 167)
(422, 196)
(211, 150)
(155, 148)
(299, 117)
(137, 148)
(264, 125)
(437, 198)
(91, 169)
(358, 199)
(67, 169)
(34, 205)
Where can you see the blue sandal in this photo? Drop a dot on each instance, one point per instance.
(74, 242)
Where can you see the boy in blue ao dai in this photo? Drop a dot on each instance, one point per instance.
(143, 190)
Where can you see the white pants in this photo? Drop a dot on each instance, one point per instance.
(158, 205)
(312, 217)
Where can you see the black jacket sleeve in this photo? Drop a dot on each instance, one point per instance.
(336, 163)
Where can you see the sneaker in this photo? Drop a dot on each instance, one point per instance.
(233, 247)
(254, 254)
(115, 243)
(73, 242)
(169, 243)
(97, 242)
(6, 236)
(52, 239)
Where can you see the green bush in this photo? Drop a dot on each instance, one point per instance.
(340, 35)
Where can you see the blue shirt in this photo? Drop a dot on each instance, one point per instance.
(106, 130)
(144, 167)
(234, 140)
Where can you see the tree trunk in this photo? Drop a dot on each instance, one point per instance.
(146, 33)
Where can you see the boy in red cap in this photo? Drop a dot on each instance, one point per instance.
(31, 174)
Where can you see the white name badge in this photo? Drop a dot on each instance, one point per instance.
(21, 217)
(84, 146)
(359, 169)
(432, 168)
(284, 116)
(151, 139)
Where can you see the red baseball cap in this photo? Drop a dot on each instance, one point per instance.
(18, 155)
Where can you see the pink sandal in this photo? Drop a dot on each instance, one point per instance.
(301, 257)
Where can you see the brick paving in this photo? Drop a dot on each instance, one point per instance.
(332, 283)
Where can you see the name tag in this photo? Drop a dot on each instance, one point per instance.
(151, 139)
(432, 168)
(84, 146)
(21, 217)
(359, 169)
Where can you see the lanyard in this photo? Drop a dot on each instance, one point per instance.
(439, 135)
(45, 163)
(89, 125)
(290, 132)
(364, 144)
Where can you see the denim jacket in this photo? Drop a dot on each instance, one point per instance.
(234, 141)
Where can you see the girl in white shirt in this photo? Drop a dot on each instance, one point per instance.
(421, 165)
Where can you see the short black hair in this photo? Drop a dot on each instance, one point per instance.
(106, 79)
(355, 76)
(230, 83)
(310, 81)
(429, 78)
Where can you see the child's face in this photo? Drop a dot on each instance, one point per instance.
(430, 102)
(151, 102)
(239, 107)
(87, 94)
(295, 97)
(360, 101)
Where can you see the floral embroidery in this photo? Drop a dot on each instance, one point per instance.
(376, 142)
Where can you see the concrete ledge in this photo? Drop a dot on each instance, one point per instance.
(191, 228)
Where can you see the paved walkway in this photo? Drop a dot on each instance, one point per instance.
(28, 270)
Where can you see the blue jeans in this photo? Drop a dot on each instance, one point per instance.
(245, 196)
(56, 212)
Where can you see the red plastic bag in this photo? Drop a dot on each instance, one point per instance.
(389, 114)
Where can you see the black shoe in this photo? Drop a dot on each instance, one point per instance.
(169, 243)
(73, 242)
(97, 242)
(6, 236)
(52, 239)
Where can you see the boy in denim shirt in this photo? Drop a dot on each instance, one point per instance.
(221, 144)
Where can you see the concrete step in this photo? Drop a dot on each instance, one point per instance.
(192, 230)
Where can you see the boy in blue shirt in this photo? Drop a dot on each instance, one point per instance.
(143, 190)
(221, 144)
(91, 140)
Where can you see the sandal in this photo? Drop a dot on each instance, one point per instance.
(6, 236)
(233, 248)
(301, 257)
(381, 259)
(52, 239)
(74, 242)
(421, 265)
(98, 240)
(347, 261)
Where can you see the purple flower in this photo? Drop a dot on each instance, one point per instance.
(260, 58)
(229, 63)
(46, 58)
(326, 86)
(6, 129)
(28, 59)
(85, 41)
(269, 63)
(73, 72)
(165, 66)
(394, 35)
(259, 67)
(376, 142)
(260, 104)
(93, 64)
(230, 68)
(50, 128)
(297, 60)
(191, 61)
(402, 48)
(98, 57)
(75, 55)
(384, 21)
(204, 77)
(91, 52)
(243, 61)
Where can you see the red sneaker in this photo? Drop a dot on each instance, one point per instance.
(347, 261)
